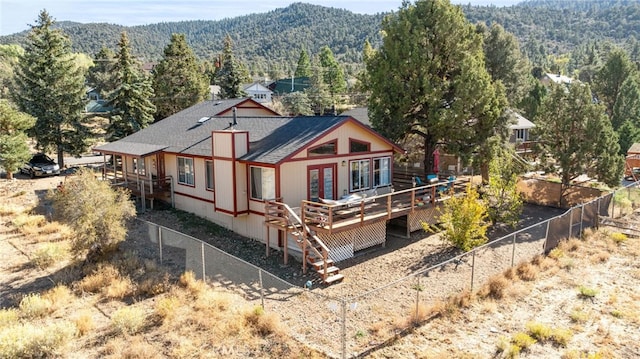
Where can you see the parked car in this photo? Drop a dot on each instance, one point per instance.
(40, 165)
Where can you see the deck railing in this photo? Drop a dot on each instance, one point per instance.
(329, 217)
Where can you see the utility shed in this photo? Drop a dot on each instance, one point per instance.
(632, 164)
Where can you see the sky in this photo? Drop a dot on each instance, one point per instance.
(16, 15)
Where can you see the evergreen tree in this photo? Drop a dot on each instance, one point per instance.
(628, 134)
(297, 103)
(318, 92)
(627, 105)
(51, 89)
(505, 62)
(429, 79)
(101, 75)
(9, 58)
(14, 148)
(304, 65)
(333, 75)
(503, 200)
(229, 76)
(131, 101)
(609, 79)
(178, 80)
(574, 137)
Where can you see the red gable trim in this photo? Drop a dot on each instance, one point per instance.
(247, 103)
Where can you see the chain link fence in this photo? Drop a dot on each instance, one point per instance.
(353, 326)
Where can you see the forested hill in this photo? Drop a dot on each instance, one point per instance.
(274, 39)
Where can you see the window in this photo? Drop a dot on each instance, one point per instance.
(381, 171)
(185, 171)
(324, 149)
(522, 134)
(360, 173)
(138, 166)
(263, 183)
(209, 174)
(358, 146)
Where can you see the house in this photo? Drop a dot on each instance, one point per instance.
(632, 163)
(96, 103)
(359, 113)
(258, 92)
(520, 135)
(558, 79)
(311, 182)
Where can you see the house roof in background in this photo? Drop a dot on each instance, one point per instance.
(634, 149)
(285, 86)
(359, 113)
(520, 123)
(559, 79)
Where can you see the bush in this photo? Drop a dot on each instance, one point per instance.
(619, 237)
(84, 323)
(262, 323)
(539, 331)
(34, 306)
(35, 341)
(96, 212)
(522, 340)
(128, 320)
(464, 220)
(48, 254)
(166, 307)
(587, 292)
(8, 317)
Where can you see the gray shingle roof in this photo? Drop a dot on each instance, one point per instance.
(271, 138)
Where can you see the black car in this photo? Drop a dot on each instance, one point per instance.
(40, 165)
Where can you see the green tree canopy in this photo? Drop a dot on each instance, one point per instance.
(14, 149)
(609, 80)
(627, 105)
(333, 74)
(304, 65)
(178, 79)
(429, 79)
(297, 103)
(101, 76)
(9, 58)
(230, 74)
(505, 62)
(131, 101)
(574, 137)
(628, 134)
(318, 92)
(51, 89)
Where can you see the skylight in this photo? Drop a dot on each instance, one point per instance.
(204, 119)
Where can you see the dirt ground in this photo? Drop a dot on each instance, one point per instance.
(548, 300)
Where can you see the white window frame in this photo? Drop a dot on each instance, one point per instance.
(522, 134)
(208, 174)
(381, 171)
(362, 180)
(185, 171)
(263, 183)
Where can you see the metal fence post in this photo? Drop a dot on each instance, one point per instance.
(261, 287)
(546, 237)
(473, 268)
(581, 219)
(570, 223)
(204, 278)
(418, 289)
(513, 251)
(159, 241)
(613, 205)
(344, 329)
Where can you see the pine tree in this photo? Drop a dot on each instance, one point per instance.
(230, 76)
(574, 137)
(609, 79)
(429, 79)
(318, 92)
(9, 58)
(100, 75)
(628, 134)
(131, 101)
(178, 79)
(51, 89)
(304, 65)
(14, 149)
(627, 105)
(333, 74)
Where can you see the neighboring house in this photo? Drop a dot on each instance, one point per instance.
(96, 104)
(632, 163)
(235, 169)
(549, 78)
(258, 92)
(284, 86)
(359, 113)
(520, 134)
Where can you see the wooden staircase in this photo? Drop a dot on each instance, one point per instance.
(315, 253)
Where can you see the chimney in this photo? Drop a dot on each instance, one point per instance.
(235, 117)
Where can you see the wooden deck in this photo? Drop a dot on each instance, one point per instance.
(334, 218)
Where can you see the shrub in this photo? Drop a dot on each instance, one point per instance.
(189, 281)
(59, 296)
(84, 323)
(8, 317)
(262, 323)
(49, 253)
(496, 287)
(539, 331)
(96, 212)
(522, 340)
(118, 288)
(128, 320)
(619, 237)
(561, 336)
(503, 199)
(99, 279)
(166, 307)
(579, 316)
(34, 306)
(526, 271)
(464, 220)
(10, 209)
(35, 341)
(587, 292)
(28, 220)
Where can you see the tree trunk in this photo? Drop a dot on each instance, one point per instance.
(9, 175)
(429, 147)
(60, 153)
(484, 172)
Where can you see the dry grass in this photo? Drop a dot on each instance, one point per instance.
(59, 296)
(495, 288)
(128, 320)
(527, 271)
(135, 347)
(84, 322)
(189, 281)
(600, 257)
(35, 340)
(28, 220)
(49, 254)
(35, 306)
(11, 209)
(262, 323)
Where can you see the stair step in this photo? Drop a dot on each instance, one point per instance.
(334, 278)
(319, 263)
(330, 270)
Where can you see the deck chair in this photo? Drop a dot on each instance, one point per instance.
(418, 181)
